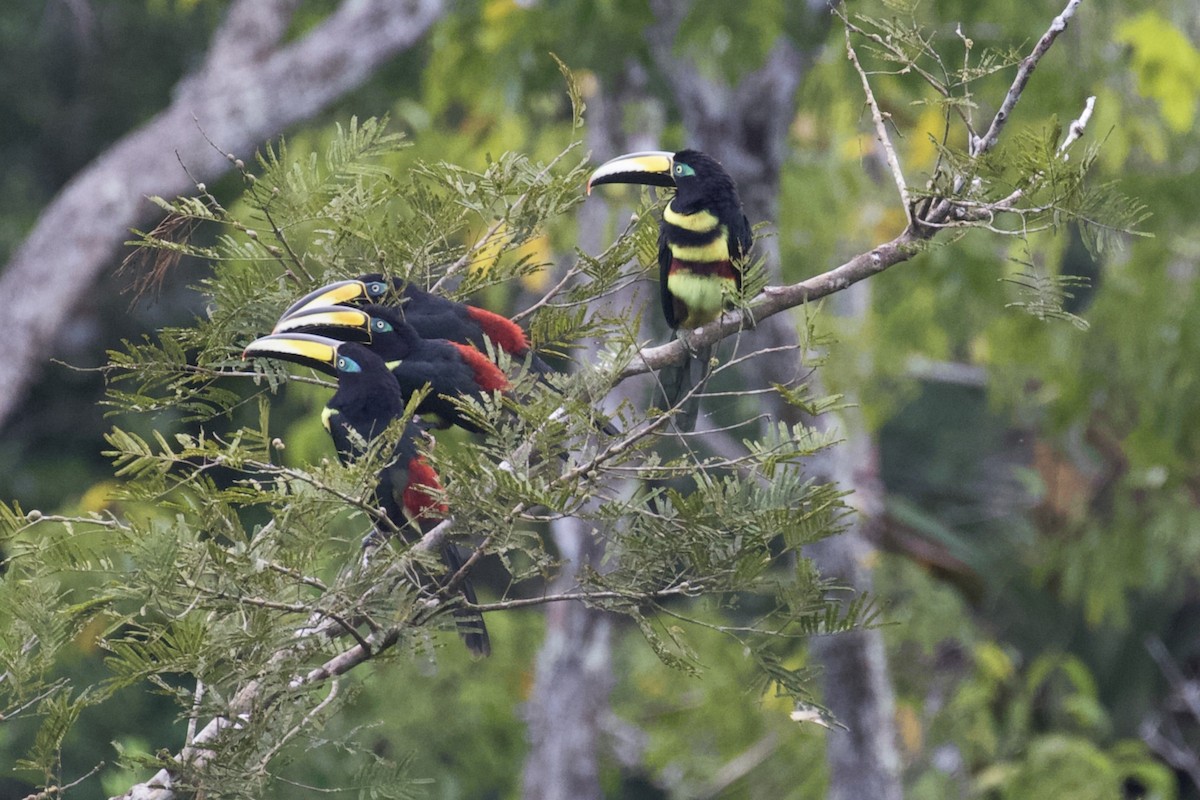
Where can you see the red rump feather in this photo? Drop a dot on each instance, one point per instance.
(488, 376)
(507, 334)
(418, 497)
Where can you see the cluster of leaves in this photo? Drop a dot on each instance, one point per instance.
(1017, 185)
(978, 718)
(229, 579)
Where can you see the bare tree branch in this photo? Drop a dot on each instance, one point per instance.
(59, 791)
(983, 144)
(775, 299)
(1076, 128)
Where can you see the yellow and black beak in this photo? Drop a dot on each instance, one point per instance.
(649, 167)
(344, 323)
(330, 295)
(318, 352)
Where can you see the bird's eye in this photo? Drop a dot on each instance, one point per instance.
(346, 364)
(683, 170)
(376, 288)
(380, 326)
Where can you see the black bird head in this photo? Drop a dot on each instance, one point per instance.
(390, 337)
(367, 392)
(347, 361)
(373, 288)
(344, 323)
(699, 179)
(381, 289)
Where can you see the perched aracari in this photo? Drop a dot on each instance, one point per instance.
(448, 368)
(368, 399)
(431, 315)
(703, 242)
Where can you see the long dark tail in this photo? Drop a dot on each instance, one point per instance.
(538, 365)
(470, 623)
(542, 370)
(678, 380)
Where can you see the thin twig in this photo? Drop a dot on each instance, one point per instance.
(683, 589)
(1076, 129)
(881, 133)
(197, 696)
(574, 270)
(550, 295)
(58, 791)
(334, 689)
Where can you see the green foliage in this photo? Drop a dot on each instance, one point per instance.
(1166, 64)
(1006, 728)
(1043, 296)
(1028, 184)
(228, 579)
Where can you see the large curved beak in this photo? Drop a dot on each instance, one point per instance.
(331, 295)
(345, 323)
(650, 167)
(319, 352)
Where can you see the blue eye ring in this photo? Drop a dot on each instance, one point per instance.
(377, 288)
(683, 170)
(380, 325)
(347, 364)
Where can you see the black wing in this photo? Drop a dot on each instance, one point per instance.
(741, 240)
(664, 268)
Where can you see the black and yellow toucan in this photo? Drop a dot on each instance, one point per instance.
(449, 369)
(366, 402)
(431, 316)
(704, 240)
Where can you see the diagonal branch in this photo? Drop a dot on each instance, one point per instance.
(983, 144)
(776, 299)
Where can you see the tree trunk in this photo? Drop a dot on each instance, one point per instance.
(568, 712)
(863, 759)
(572, 684)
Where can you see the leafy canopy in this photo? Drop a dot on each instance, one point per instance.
(228, 576)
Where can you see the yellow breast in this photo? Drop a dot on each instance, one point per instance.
(700, 222)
